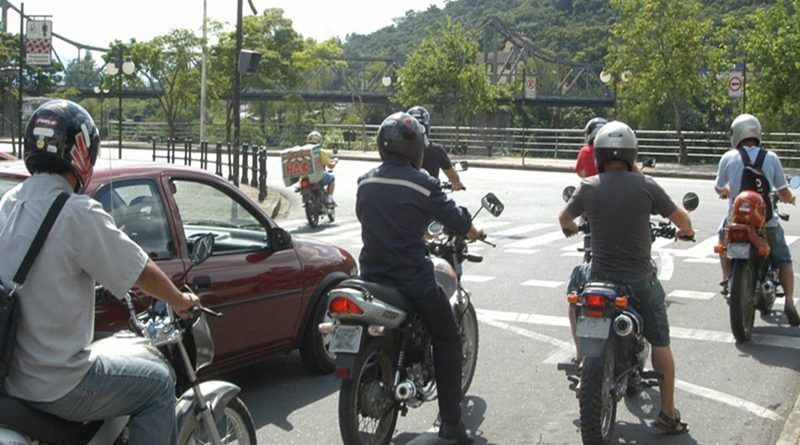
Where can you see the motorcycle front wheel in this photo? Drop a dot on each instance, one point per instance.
(742, 307)
(367, 408)
(469, 347)
(236, 427)
(598, 406)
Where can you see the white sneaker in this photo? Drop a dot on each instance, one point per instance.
(329, 201)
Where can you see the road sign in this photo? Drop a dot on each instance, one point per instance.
(37, 42)
(735, 84)
(530, 88)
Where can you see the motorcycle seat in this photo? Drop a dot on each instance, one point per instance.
(387, 294)
(23, 418)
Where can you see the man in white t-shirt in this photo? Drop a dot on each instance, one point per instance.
(53, 367)
(746, 135)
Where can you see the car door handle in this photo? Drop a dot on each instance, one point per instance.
(201, 283)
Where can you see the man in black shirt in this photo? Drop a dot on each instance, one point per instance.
(435, 157)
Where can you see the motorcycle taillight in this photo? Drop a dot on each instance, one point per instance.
(738, 235)
(342, 305)
(594, 305)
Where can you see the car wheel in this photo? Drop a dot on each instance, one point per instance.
(314, 350)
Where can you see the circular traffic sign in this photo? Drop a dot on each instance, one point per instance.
(735, 83)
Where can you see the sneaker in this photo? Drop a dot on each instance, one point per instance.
(455, 431)
(791, 315)
(329, 201)
(724, 284)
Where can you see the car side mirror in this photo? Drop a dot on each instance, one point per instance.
(282, 238)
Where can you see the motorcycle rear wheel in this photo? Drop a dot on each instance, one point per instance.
(598, 406)
(367, 408)
(742, 307)
(235, 428)
(311, 205)
(469, 347)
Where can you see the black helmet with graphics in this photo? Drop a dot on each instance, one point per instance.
(422, 116)
(402, 135)
(61, 136)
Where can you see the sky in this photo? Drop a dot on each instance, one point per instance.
(98, 22)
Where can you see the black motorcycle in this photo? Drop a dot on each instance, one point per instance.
(611, 343)
(390, 369)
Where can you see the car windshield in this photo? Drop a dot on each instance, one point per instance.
(7, 184)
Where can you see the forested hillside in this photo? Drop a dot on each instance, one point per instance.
(575, 30)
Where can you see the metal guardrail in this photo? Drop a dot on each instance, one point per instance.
(702, 146)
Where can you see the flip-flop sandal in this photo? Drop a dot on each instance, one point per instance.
(671, 425)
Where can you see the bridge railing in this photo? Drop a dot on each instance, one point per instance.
(702, 146)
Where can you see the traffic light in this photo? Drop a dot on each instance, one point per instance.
(248, 61)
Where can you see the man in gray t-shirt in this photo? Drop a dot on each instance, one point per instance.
(54, 367)
(618, 203)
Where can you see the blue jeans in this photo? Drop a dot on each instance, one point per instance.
(117, 386)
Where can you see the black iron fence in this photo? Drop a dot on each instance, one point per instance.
(245, 165)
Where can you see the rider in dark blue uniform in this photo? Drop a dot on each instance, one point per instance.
(395, 203)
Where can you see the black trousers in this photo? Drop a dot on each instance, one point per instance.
(433, 306)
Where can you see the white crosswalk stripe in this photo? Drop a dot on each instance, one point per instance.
(519, 230)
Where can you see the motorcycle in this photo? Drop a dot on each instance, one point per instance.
(390, 369)
(611, 342)
(207, 413)
(753, 283)
(315, 202)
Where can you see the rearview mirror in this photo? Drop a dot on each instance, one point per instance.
(794, 182)
(202, 248)
(690, 201)
(461, 166)
(567, 192)
(492, 204)
(649, 162)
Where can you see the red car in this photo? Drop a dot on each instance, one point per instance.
(269, 286)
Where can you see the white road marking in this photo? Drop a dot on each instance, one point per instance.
(536, 240)
(519, 230)
(693, 295)
(487, 224)
(701, 250)
(728, 399)
(339, 236)
(573, 254)
(702, 260)
(543, 283)
(666, 266)
(522, 251)
(326, 230)
(564, 350)
(476, 278)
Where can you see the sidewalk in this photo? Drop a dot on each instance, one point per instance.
(674, 170)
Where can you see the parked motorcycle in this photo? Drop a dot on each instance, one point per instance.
(315, 202)
(611, 343)
(207, 413)
(390, 369)
(753, 283)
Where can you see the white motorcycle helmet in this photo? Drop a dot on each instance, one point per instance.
(315, 137)
(615, 140)
(745, 126)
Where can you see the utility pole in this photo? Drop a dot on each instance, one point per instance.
(203, 79)
(237, 80)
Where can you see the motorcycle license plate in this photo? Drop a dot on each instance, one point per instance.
(346, 339)
(738, 250)
(593, 327)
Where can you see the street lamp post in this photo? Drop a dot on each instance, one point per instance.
(102, 92)
(117, 68)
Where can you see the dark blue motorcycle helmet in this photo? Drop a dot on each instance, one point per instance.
(402, 135)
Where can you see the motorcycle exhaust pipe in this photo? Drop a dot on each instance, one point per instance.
(623, 325)
(404, 391)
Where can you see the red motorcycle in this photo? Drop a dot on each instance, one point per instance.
(753, 282)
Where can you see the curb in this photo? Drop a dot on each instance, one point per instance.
(791, 429)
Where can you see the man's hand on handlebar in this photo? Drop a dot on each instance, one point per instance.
(458, 185)
(475, 234)
(685, 235)
(184, 306)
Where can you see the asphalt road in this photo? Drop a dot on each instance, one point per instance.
(728, 393)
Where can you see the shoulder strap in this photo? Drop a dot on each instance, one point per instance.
(743, 154)
(762, 154)
(41, 236)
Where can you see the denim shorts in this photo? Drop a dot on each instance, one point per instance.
(327, 178)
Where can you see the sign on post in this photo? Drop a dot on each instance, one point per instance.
(530, 87)
(735, 84)
(38, 42)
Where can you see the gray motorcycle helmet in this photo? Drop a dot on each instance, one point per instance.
(615, 140)
(402, 135)
(745, 126)
(592, 127)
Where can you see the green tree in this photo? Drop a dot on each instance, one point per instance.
(443, 71)
(772, 45)
(663, 50)
(82, 73)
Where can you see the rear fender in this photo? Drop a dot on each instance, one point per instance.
(591, 347)
(217, 394)
(345, 363)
